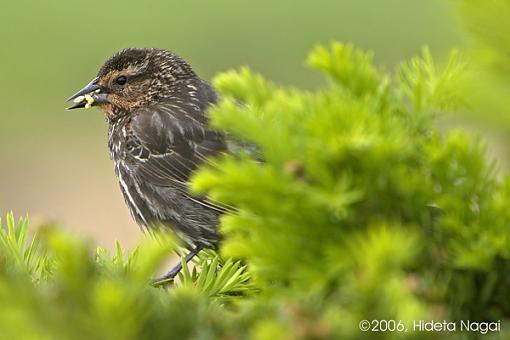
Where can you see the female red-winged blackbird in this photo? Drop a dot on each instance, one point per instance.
(158, 134)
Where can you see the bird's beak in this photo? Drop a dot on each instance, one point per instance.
(89, 96)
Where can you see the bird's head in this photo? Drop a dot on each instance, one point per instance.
(132, 78)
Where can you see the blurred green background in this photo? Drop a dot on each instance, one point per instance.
(55, 163)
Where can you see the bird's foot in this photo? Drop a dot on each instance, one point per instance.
(170, 276)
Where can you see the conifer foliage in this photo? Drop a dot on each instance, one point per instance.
(355, 207)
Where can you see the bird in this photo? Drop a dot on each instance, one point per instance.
(159, 134)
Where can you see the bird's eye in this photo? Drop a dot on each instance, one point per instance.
(121, 80)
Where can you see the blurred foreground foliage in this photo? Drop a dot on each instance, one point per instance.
(360, 209)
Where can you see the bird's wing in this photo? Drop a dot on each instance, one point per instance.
(167, 143)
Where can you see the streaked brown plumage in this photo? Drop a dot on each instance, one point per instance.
(158, 134)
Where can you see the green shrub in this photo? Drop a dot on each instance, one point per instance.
(360, 209)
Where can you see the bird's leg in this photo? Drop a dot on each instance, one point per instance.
(175, 270)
